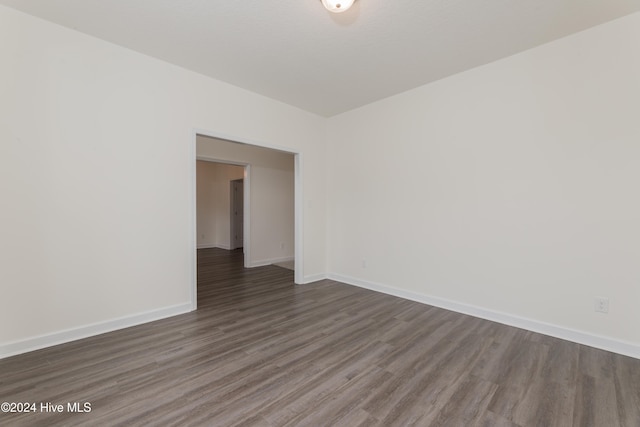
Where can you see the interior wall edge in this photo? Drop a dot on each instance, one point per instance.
(568, 334)
(60, 337)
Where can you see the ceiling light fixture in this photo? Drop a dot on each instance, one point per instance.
(337, 6)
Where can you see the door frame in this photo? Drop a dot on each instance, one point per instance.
(232, 222)
(298, 165)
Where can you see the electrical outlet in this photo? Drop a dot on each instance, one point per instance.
(364, 263)
(281, 245)
(601, 304)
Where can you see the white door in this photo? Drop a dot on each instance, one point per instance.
(237, 213)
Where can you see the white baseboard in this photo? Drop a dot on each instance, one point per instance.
(263, 262)
(580, 337)
(313, 278)
(61, 337)
(209, 246)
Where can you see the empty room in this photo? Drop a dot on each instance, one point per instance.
(438, 225)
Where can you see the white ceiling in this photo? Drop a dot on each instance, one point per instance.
(297, 52)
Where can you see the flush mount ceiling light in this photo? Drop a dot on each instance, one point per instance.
(337, 6)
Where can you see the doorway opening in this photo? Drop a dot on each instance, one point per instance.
(219, 205)
(264, 208)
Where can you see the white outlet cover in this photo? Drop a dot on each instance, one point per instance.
(601, 305)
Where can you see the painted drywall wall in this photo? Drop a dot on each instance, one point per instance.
(271, 181)
(206, 198)
(97, 176)
(510, 189)
(213, 203)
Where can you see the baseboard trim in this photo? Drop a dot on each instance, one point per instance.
(73, 334)
(263, 262)
(210, 246)
(313, 278)
(580, 337)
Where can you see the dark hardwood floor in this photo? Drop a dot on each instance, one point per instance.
(261, 351)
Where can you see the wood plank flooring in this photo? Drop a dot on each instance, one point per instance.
(261, 351)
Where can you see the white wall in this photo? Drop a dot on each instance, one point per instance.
(96, 180)
(214, 204)
(271, 206)
(509, 191)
